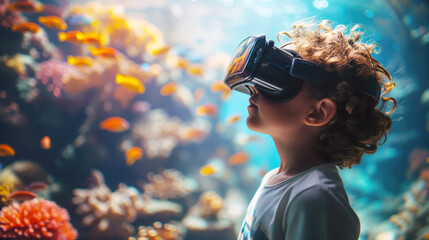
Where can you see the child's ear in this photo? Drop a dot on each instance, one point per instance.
(323, 112)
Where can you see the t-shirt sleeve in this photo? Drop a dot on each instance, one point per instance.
(316, 214)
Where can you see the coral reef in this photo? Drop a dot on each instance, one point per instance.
(21, 173)
(110, 213)
(159, 231)
(5, 190)
(207, 220)
(159, 134)
(50, 74)
(36, 219)
(169, 184)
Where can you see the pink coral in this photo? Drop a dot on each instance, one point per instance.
(36, 219)
(7, 17)
(50, 74)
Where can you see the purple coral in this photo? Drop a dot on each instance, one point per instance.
(50, 74)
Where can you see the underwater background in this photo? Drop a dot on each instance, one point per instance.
(115, 123)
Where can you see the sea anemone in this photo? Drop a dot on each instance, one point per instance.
(36, 219)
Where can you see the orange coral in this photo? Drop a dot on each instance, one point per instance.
(36, 219)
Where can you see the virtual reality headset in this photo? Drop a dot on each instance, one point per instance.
(278, 73)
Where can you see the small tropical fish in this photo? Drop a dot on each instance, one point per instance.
(70, 36)
(131, 83)
(208, 109)
(26, 6)
(26, 27)
(219, 86)
(6, 150)
(233, 119)
(21, 196)
(79, 60)
(104, 52)
(168, 89)
(91, 38)
(133, 154)
(115, 124)
(53, 22)
(238, 158)
(195, 70)
(157, 49)
(45, 143)
(194, 133)
(37, 186)
(207, 170)
(198, 94)
(182, 63)
(80, 20)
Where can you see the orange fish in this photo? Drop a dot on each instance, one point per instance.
(133, 154)
(238, 158)
(26, 27)
(26, 6)
(262, 172)
(53, 22)
(131, 83)
(89, 38)
(233, 119)
(115, 124)
(194, 133)
(104, 52)
(182, 63)
(21, 196)
(195, 70)
(208, 109)
(37, 186)
(168, 89)
(70, 36)
(219, 86)
(157, 49)
(79, 60)
(6, 150)
(45, 143)
(207, 170)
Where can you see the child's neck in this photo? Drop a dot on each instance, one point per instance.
(297, 158)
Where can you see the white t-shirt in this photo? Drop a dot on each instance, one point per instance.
(311, 205)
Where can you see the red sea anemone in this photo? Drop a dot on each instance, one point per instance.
(36, 219)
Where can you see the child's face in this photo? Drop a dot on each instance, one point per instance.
(285, 119)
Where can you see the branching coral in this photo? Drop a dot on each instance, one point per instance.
(169, 184)
(160, 134)
(36, 219)
(111, 213)
(50, 74)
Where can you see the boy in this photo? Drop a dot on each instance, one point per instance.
(317, 100)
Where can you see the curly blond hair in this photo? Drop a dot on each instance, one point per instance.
(358, 126)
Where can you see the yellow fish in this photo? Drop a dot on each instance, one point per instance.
(233, 119)
(53, 22)
(238, 158)
(168, 89)
(6, 150)
(131, 83)
(207, 170)
(133, 154)
(79, 61)
(26, 27)
(157, 49)
(70, 36)
(108, 52)
(208, 109)
(194, 133)
(195, 70)
(89, 38)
